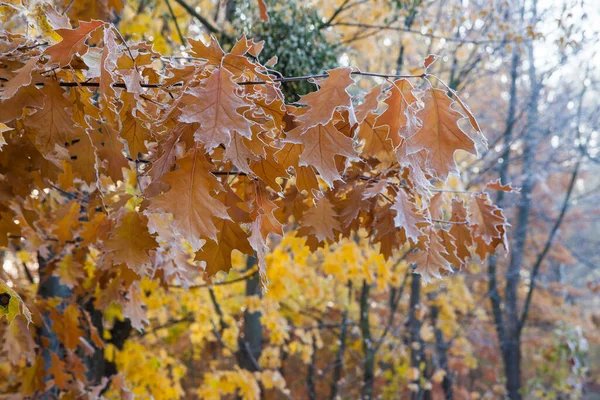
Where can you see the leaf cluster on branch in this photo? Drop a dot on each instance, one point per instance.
(118, 164)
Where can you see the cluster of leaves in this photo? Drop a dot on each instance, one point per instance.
(120, 167)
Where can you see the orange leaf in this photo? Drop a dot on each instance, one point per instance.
(230, 237)
(57, 369)
(73, 43)
(322, 220)
(53, 124)
(496, 185)
(213, 53)
(131, 242)
(460, 231)
(432, 259)
(321, 144)
(214, 105)
(21, 78)
(406, 217)
(485, 218)
(331, 95)
(262, 8)
(440, 134)
(400, 102)
(190, 201)
(376, 143)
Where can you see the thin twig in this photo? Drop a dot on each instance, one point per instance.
(429, 35)
(208, 285)
(67, 7)
(181, 38)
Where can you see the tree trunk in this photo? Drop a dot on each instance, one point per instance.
(339, 358)
(250, 343)
(414, 326)
(310, 376)
(367, 341)
(441, 349)
(49, 287)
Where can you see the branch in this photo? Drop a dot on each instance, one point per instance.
(544, 252)
(429, 35)
(337, 12)
(207, 24)
(282, 80)
(189, 318)
(181, 38)
(213, 298)
(395, 297)
(209, 285)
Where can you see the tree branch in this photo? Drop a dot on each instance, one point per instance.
(181, 38)
(190, 10)
(429, 35)
(544, 252)
(275, 80)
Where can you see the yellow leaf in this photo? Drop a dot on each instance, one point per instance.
(11, 304)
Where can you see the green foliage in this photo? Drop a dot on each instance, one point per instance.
(295, 36)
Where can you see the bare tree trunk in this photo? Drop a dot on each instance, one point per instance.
(414, 326)
(441, 348)
(49, 287)
(494, 294)
(95, 363)
(367, 341)
(339, 358)
(513, 274)
(408, 21)
(250, 343)
(310, 376)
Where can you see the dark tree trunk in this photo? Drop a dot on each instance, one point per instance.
(441, 348)
(367, 342)
(50, 287)
(414, 326)
(95, 363)
(310, 376)
(339, 358)
(250, 343)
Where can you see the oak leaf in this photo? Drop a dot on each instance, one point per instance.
(213, 53)
(230, 236)
(130, 242)
(369, 104)
(485, 218)
(460, 231)
(58, 370)
(497, 185)
(322, 220)
(73, 43)
(133, 307)
(440, 134)
(398, 116)
(190, 201)
(215, 104)
(332, 94)
(406, 216)
(53, 124)
(21, 78)
(26, 97)
(375, 140)
(321, 144)
(432, 259)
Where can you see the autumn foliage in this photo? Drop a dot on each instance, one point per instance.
(120, 167)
